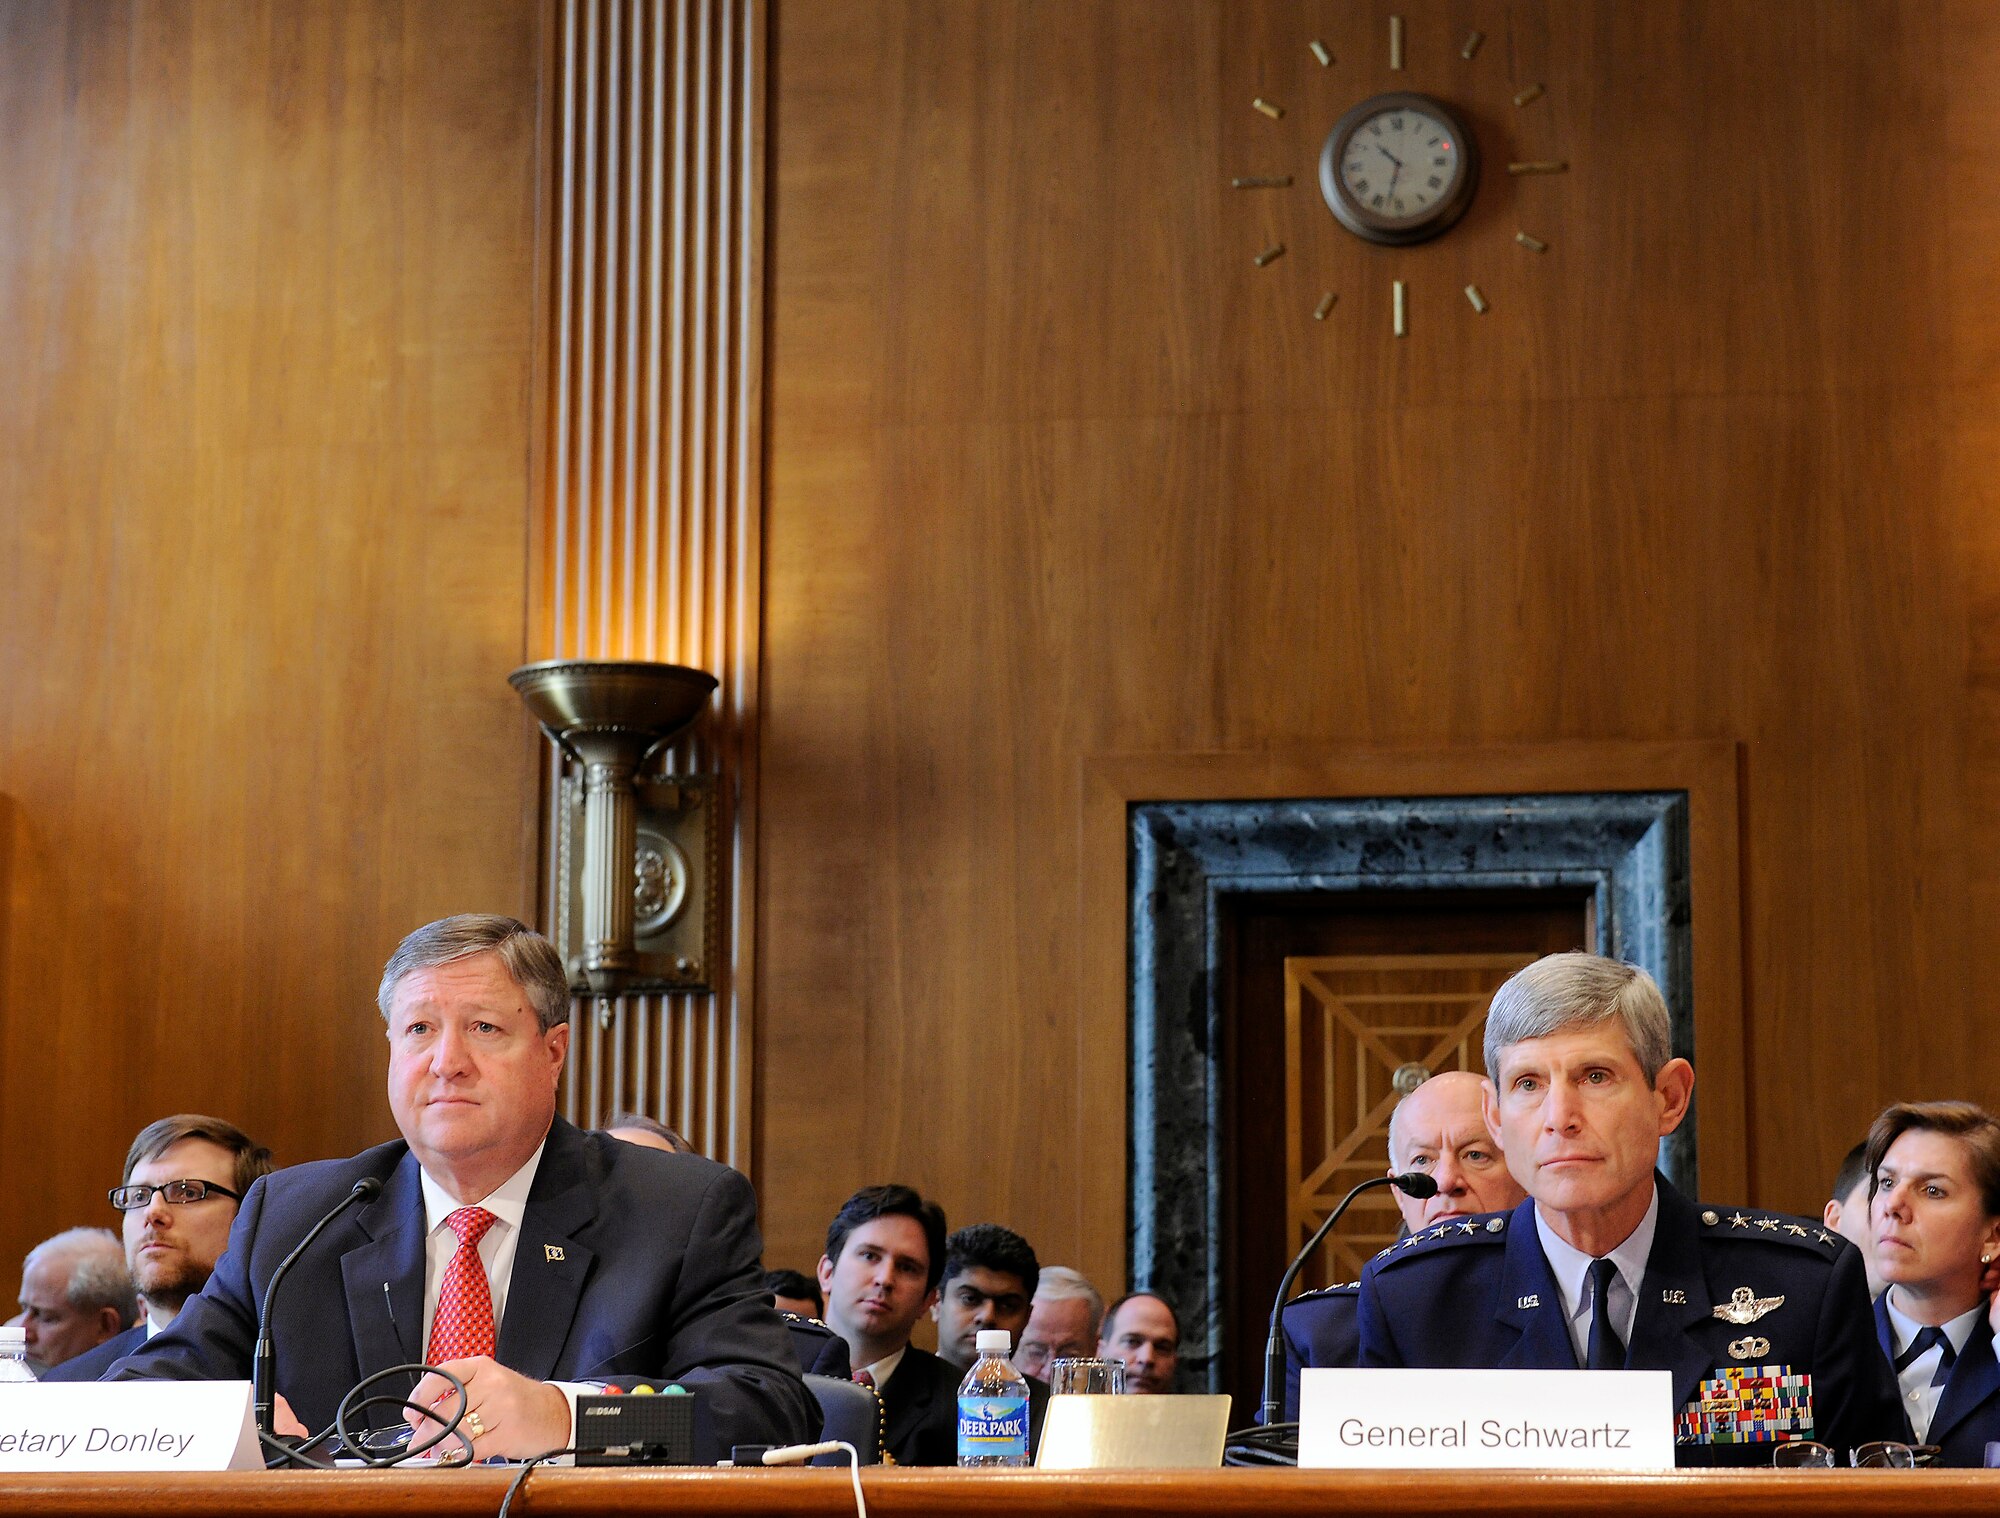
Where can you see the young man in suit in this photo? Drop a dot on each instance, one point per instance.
(184, 1176)
(1762, 1319)
(884, 1258)
(531, 1260)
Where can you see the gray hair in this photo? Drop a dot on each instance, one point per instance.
(1059, 1283)
(98, 1276)
(1565, 992)
(530, 958)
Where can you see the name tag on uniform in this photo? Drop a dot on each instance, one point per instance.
(1457, 1419)
(128, 1426)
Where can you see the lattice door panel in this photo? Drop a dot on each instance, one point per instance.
(1360, 1031)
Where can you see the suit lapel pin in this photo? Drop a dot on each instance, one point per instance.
(1673, 1297)
(1745, 1307)
(1522, 1303)
(1749, 1349)
(553, 1253)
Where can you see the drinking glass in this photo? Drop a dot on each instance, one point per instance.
(1086, 1378)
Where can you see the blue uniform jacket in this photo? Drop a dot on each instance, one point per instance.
(1320, 1329)
(1968, 1411)
(1478, 1293)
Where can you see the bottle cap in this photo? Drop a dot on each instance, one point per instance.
(994, 1341)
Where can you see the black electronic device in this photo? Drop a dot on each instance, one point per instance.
(635, 1429)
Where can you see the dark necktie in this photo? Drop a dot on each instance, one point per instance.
(1607, 1350)
(1929, 1338)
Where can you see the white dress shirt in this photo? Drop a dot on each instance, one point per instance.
(884, 1368)
(1920, 1398)
(508, 1202)
(1571, 1268)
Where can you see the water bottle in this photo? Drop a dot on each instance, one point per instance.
(14, 1355)
(993, 1405)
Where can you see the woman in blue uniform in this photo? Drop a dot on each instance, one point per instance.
(1936, 1214)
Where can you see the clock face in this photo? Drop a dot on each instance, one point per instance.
(1399, 169)
(1401, 163)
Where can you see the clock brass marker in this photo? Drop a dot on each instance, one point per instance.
(1319, 51)
(1275, 251)
(1261, 182)
(1395, 42)
(1530, 95)
(1471, 48)
(1399, 318)
(1325, 305)
(1478, 301)
(1540, 166)
(1532, 244)
(1273, 111)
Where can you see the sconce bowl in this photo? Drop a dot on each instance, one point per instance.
(608, 710)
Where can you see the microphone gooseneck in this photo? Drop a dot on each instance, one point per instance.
(1412, 1183)
(365, 1190)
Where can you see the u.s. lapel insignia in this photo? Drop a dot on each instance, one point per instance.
(1521, 1304)
(1673, 1297)
(1745, 1306)
(552, 1253)
(1751, 1348)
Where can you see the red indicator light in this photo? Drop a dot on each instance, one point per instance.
(1446, 145)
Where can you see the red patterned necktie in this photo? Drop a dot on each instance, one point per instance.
(464, 1322)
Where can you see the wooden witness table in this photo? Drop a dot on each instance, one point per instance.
(827, 1493)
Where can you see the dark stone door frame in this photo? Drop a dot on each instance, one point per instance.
(1650, 829)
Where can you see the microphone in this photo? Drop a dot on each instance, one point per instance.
(1415, 1184)
(365, 1190)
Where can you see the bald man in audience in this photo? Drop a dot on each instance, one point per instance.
(1143, 1330)
(647, 1133)
(1438, 1130)
(76, 1293)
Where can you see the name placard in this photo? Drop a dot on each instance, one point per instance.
(127, 1426)
(1542, 1419)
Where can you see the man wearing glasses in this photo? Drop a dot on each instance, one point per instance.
(184, 1176)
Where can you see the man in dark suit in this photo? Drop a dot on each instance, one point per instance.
(884, 1257)
(184, 1176)
(527, 1258)
(1761, 1319)
(1438, 1130)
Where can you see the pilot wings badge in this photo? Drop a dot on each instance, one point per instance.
(1745, 1306)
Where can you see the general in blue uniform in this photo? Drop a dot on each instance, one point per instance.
(1761, 1320)
(1479, 1293)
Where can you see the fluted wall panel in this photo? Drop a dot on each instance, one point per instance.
(648, 541)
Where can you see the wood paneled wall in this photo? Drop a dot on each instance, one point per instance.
(1055, 472)
(648, 533)
(267, 296)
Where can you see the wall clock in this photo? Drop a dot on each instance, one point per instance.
(1399, 169)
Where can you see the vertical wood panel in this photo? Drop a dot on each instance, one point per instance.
(267, 278)
(649, 541)
(1056, 471)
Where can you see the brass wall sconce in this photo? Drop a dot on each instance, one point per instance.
(635, 853)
